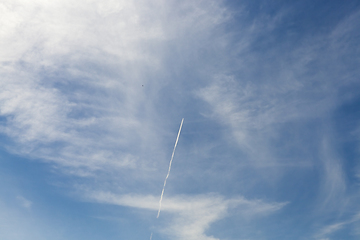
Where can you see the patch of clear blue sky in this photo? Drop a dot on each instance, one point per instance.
(54, 213)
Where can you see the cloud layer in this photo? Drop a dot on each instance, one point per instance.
(270, 97)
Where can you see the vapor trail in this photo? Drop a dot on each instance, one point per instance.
(172, 156)
(151, 236)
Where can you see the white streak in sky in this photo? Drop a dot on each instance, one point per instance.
(151, 236)
(172, 156)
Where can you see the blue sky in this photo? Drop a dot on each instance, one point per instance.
(92, 94)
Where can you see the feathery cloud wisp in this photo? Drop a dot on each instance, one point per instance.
(192, 215)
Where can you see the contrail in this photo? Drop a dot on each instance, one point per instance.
(151, 236)
(172, 156)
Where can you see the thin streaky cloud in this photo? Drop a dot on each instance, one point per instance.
(192, 215)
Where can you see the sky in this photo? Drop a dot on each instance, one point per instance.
(92, 94)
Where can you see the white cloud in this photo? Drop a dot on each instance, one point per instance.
(72, 75)
(191, 216)
(72, 92)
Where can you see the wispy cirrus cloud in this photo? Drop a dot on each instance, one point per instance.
(330, 229)
(191, 215)
(56, 104)
(299, 86)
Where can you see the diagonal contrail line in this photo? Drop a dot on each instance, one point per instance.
(172, 156)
